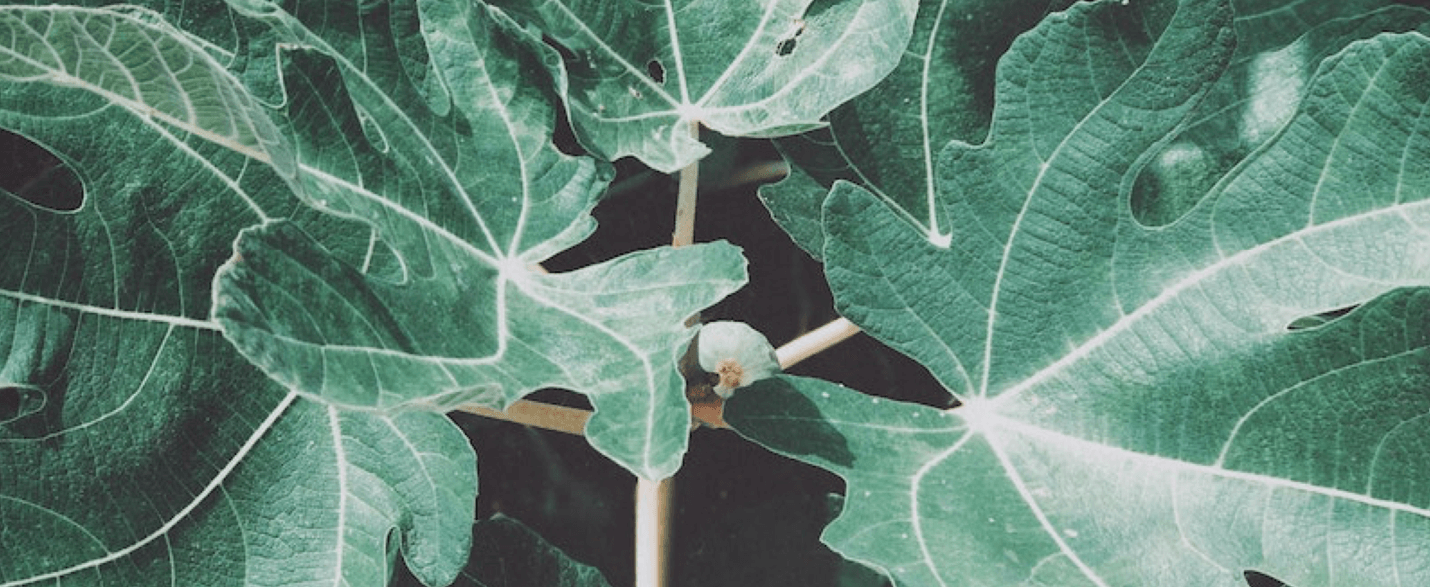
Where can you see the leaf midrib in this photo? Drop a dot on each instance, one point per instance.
(139, 109)
(214, 484)
(1187, 283)
(993, 426)
(998, 424)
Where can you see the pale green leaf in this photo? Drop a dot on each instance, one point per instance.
(467, 193)
(134, 60)
(136, 446)
(1135, 409)
(887, 140)
(943, 92)
(642, 73)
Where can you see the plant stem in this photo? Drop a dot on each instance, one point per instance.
(685, 200)
(537, 414)
(653, 500)
(653, 497)
(573, 420)
(815, 341)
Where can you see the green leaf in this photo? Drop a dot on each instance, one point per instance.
(134, 60)
(506, 553)
(887, 140)
(348, 480)
(1135, 409)
(641, 74)
(136, 446)
(943, 88)
(467, 193)
(1275, 57)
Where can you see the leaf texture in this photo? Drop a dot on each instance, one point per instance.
(641, 74)
(136, 446)
(459, 178)
(941, 92)
(1136, 409)
(943, 89)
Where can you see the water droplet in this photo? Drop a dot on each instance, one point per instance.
(825, 395)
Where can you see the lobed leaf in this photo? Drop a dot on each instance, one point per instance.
(136, 447)
(1136, 409)
(446, 153)
(642, 74)
(136, 61)
(506, 553)
(943, 88)
(887, 139)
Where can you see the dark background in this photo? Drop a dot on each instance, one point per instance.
(743, 516)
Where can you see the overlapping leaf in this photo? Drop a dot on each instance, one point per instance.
(942, 92)
(1135, 409)
(446, 151)
(506, 553)
(136, 446)
(887, 140)
(642, 73)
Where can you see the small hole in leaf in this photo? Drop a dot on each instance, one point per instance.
(1258, 579)
(566, 53)
(787, 40)
(1318, 320)
(785, 47)
(18, 402)
(656, 71)
(36, 175)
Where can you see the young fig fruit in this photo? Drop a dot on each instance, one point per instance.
(737, 354)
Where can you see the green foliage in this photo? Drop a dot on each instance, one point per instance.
(466, 319)
(1135, 409)
(308, 229)
(506, 553)
(642, 73)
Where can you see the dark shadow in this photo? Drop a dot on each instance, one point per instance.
(36, 175)
(33, 411)
(19, 401)
(1258, 579)
(775, 415)
(1318, 320)
(786, 45)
